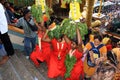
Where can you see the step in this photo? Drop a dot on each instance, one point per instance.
(8, 72)
(36, 73)
(42, 69)
(1, 77)
(20, 68)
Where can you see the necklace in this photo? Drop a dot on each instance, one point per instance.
(71, 52)
(59, 49)
(39, 39)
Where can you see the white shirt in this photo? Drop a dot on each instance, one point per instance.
(3, 20)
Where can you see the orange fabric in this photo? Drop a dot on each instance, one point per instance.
(56, 66)
(117, 52)
(102, 50)
(89, 71)
(45, 18)
(91, 37)
(117, 76)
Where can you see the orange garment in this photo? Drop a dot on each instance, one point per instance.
(91, 38)
(89, 71)
(45, 18)
(56, 65)
(117, 52)
(102, 50)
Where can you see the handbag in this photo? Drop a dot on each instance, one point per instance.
(32, 27)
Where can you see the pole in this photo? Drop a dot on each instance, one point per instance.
(100, 7)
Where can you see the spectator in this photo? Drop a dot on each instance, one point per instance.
(96, 53)
(11, 7)
(30, 36)
(116, 51)
(4, 34)
(9, 12)
(18, 12)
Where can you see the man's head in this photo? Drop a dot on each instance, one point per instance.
(2, 1)
(27, 13)
(6, 4)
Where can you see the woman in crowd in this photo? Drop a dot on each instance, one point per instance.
(116, 51)
(57, 57)
(42, 49)
(75, 50)
(96, 52)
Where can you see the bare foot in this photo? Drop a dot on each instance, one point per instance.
(4, 60)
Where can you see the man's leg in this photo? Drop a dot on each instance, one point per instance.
(33, 42)
(27, 47)
(8, 47)
(7, 44)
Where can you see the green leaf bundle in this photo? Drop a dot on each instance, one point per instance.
(69, 28)
(37, 13)
(56, 33)
(69, 63)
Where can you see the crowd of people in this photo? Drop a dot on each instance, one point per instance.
(111, 19)
(89, 55)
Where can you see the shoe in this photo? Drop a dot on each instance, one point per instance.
(27, 57)
(4, 60)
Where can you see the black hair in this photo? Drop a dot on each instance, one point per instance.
(26, 11)
(98, 37)
(6, 3)
(11, 4)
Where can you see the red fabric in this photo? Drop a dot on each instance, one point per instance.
(77, 70)
(109, 47)
(43, 54)
(34, 55)
(56, 66)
